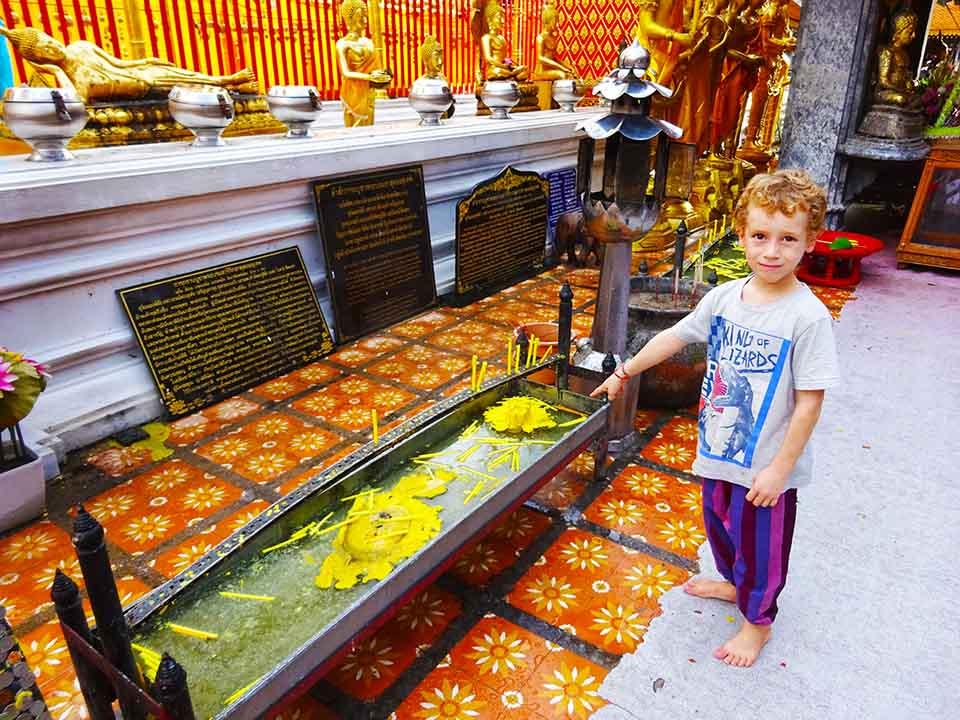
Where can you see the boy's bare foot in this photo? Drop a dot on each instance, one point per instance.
(743, 648)
(718, 589)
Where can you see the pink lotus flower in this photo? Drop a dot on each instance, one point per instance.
(7, 378)
(38, 366)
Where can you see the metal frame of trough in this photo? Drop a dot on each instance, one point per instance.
(104, 663)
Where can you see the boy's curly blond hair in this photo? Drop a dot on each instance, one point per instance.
(788, 191)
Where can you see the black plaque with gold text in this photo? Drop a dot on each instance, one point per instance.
(501, 233)
(377, 244)
(209, 334)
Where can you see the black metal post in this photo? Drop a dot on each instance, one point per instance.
(88, 540)
(97, 691)
(564, 335)
(679, 247)
(608, 365)
(523, 342)
(170, 688)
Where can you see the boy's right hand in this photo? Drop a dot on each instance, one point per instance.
(612, 386)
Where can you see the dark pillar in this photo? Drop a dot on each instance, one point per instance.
(97, 691)
(564, 333)
(88, 540)
(170, 689)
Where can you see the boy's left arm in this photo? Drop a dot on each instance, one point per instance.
(769, 483)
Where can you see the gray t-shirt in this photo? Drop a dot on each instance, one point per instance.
(757, 355)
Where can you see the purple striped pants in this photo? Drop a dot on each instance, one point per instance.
(751, 545)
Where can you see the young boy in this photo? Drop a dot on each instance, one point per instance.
(770, 356)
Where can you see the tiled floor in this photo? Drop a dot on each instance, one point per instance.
(526, 623)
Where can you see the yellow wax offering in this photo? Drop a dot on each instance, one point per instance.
(482, 375)
(192, 632)
(509, 355)
(368, 547)
(473, 373)
(376, 426)
(519, 414)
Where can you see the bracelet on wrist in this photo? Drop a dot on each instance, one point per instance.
(621, 373)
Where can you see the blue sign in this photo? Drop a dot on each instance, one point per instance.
(6, 69)
(563, 195)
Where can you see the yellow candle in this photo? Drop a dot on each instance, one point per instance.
(482, 374)
(376, 426)
(247, 596)
(473, 373)
(509, 355)
(192, 632)
(516, 364)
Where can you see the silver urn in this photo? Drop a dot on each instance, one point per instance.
(431, 98)
(46, 118)
(500, 96)
(568, 93)
(296, 106)
(204, 110)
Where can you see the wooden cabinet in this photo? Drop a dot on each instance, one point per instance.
(932, 233)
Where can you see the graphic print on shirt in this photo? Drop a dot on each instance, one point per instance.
(744, 367)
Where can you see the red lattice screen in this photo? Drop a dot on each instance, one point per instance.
(592, 31)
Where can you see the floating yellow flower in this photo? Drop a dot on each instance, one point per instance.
(387, 527)
(519, 414)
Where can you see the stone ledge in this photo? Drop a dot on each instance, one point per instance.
(874, 148)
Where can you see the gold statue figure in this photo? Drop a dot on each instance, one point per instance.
(702, 64)
(497, 64)
(98, 76)
(661, 29)
(548, 67)
(359, 63)
(431, 58)
(741, 71)
(776, 38)
(894, 74)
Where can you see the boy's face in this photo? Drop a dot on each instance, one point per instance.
(775, 243)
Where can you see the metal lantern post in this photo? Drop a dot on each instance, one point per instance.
(623, 210)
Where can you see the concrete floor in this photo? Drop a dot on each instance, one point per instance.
(868, 626)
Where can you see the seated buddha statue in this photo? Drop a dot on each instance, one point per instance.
(359, 66)
(894, 71)
(497, 64)
(98, 76)
(548, 67)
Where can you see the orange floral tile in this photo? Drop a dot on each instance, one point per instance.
(229, 411)
(516, 312)
(475, 338)
(655, 508)
(681, 430)
(178, 558)
(421, 367)
(643, 419)
(422, 619)
(565, 686)
(561, 491)
(34, 545)
(583, 277)
(64, 699)
(191, 428)
(215, 533)
(373, 664)
(46, 652)
(482, 561)
(448, 694)
(129, 588)
(424, 324)
(316, 374)
(115, 460)
(282, 387)
(298, 480)
(498, 654)
(267, 447)
(672, 451)
(347, 402)
(145, 531)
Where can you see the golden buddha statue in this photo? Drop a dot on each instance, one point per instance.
(702, 65)
(894, 71)
(497, 64)
(98, 76)
(661, 30)
(431, 58)
(740, 73)
(359, 62)
(548, 67)
(775, 39)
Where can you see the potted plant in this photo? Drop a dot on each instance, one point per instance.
(21, 472)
